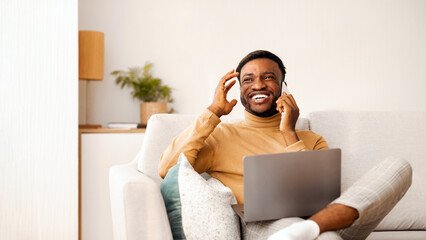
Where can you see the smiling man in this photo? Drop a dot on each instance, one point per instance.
(269, 127)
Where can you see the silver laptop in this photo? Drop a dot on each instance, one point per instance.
(295, 184)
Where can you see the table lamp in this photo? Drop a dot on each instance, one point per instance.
(90, 62)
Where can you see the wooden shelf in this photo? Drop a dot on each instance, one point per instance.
(111, 130)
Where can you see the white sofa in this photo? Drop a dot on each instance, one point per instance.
(365, 138)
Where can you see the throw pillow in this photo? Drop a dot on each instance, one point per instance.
(198, 208)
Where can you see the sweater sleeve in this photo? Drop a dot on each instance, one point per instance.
(190, 142)
(320, 144)
(297, 147)
(308, 141)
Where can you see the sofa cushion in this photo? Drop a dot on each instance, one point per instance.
(161, 130)
(369, 137)
(198, 208)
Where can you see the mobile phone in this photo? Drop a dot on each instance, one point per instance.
(285, 89)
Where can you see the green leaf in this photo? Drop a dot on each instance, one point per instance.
(114, 73)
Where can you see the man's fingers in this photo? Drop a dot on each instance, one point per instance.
(229, 86)
(222, 84)
(231, 71)
(228, 108)
(229, 75)
(290, 100)
(293, 101)
(280, 109)
(285, 102)
(232, 104)
(282, 105)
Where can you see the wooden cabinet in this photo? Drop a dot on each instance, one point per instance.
(100, 149)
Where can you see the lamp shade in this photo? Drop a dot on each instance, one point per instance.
(90, 55)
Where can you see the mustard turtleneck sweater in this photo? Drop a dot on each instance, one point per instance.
(218, 149)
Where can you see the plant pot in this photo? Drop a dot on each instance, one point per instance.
(150, 108)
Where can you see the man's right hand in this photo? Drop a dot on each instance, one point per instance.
(220, 105)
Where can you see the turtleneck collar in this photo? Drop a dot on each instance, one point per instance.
(262, 122)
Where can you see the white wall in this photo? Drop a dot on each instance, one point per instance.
(348, 55)
(38, 120)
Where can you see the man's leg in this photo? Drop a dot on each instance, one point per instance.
(374, 196)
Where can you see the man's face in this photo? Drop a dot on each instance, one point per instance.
(260, 86)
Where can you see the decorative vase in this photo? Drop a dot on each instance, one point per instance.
(148, 109)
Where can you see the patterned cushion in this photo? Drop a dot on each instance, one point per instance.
(198, 208)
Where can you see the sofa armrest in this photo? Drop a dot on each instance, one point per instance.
(137, 206)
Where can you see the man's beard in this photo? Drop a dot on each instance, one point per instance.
(268, 113)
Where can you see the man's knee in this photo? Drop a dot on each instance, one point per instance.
(402, 173)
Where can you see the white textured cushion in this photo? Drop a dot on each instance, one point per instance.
(201, 208)
(161, 130)
(206, 207)
(369, 137)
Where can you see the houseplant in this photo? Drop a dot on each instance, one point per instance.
(148, 89)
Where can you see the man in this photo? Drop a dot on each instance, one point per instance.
(269, 127)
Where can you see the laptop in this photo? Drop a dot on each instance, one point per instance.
(294, 184)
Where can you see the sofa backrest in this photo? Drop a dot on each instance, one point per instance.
(366, 138)
(161, 130)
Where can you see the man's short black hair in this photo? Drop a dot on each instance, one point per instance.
(261, 54)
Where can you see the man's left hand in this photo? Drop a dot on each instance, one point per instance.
(287, 106)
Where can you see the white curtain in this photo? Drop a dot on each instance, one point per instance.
(38, 119)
